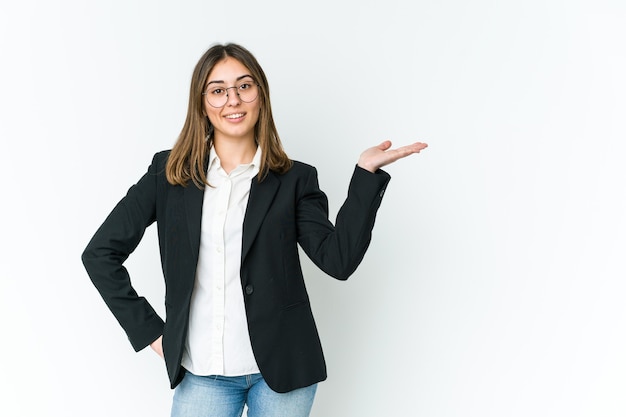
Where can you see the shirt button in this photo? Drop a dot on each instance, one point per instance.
(219, 249)
(249, 289)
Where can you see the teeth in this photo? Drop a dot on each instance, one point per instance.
(234, 116)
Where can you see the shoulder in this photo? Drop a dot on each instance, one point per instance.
(161, 156)
(300, 169)
(159, 160)
(300, 178)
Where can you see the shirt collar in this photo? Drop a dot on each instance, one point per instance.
(214, 160)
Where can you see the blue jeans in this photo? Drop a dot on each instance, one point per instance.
(223, 396)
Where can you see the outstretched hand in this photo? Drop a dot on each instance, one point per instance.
(378, 156)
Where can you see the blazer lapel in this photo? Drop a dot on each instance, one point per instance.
(261, 197)
(194, 198)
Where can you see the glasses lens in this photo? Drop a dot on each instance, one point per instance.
(248, 91)
(216, 96)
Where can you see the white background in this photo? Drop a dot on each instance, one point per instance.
(495, 281)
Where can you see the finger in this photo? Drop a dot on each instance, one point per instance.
(407, 150)
(385, 145)
(416, 147)
(421, 145)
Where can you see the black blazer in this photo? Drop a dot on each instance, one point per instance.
(283, 211)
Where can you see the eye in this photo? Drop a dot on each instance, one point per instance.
(217, 91)
(245, 86)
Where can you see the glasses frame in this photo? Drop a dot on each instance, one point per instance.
(236, 92)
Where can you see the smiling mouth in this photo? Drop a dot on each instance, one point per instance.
(234, 116)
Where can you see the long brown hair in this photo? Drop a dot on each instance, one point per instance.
(190, 152)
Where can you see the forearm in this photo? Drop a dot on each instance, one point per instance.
(339, 249)
(108, 249)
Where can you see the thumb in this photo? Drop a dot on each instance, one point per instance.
(385, 145)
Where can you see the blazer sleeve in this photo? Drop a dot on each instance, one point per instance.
(339, 249)
(111, 245)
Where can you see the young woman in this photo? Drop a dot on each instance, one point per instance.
(231, 209)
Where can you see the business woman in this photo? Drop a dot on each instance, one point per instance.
(231, 209)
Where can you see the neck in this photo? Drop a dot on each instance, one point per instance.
(233, 153)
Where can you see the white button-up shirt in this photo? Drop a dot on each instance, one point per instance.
(218, 342)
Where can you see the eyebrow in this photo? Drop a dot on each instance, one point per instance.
(223, 82)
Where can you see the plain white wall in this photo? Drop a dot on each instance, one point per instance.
(495, 281)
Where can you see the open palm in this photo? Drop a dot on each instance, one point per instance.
(378, 156)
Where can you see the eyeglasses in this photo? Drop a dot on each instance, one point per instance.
(217, 96)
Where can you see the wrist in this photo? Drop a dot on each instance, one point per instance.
(367, 167)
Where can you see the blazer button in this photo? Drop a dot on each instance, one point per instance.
(249, 289)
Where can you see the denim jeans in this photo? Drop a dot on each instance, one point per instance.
(222, 396)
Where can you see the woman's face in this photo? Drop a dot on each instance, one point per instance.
(229, 101)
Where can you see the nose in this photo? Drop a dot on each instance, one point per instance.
(232, 99)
